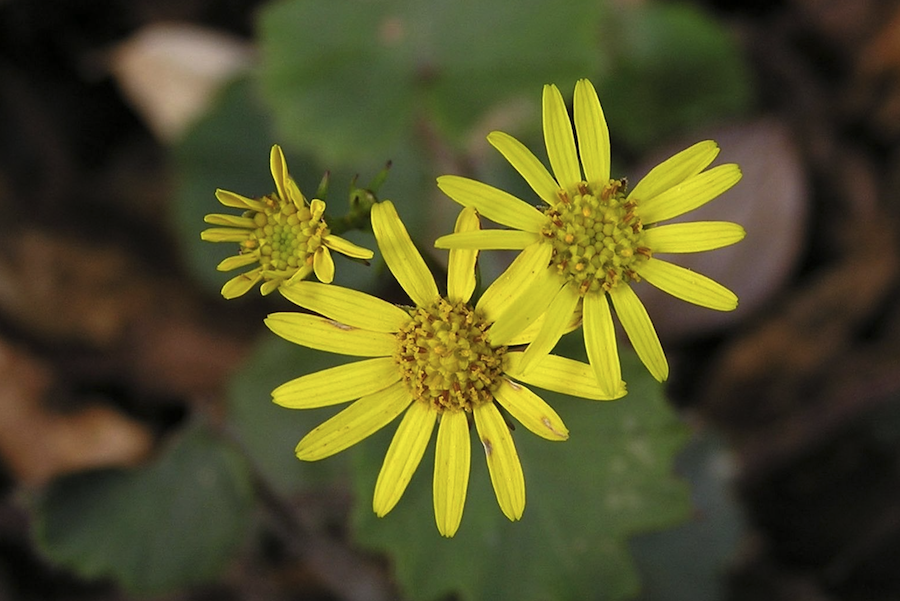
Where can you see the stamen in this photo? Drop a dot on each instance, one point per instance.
(452, 367)
(285, 236)
(596, 236)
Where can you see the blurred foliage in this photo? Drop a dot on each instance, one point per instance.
(351, 78)
(690, 562)
(172, 523)
(672, 68)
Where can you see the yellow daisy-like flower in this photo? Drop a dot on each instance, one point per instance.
(281, 233)
(591, 238)
(436, 363)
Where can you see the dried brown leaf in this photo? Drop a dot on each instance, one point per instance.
(37, 443)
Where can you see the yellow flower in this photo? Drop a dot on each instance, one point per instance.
(283, 235)
(436, 363)
(591, 238)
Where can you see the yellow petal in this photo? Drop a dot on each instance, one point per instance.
(270, 286)
(345, 247)
(452, 460)
(528, 166)
(278, 165)
(697, 236)
(294, 194)
(224, 234)
(600, 343)
(532, 303)
(316, 209)
(497, 205)
(688, 285)
(531, 410)
(461, 264)
(237, 261)
(559, 138)
(502, 460)
(401, 255)
(640, 330)
(241, 284)
(337, 384)
(556, 319)
(347, 306)
(403, 456)
(519, 276)
(236, 201)
(323, 265)
(230, 221)
(528, 335)
(676, 169)
(332, 336)
(690, 194)
(358, 421)
(561, 374)
(593, 134)
(300, 274)
(488, 240)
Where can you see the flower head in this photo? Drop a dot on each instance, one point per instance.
(436, 363)
(592, 237)
(285, 237)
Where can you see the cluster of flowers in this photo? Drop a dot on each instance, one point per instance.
(447, 361)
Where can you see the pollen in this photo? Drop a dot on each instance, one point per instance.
(597, 237)
(286, 237)
(445, 358)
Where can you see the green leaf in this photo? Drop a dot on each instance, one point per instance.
(674, 68)
(585, 498)
(351, 79)
(269, 432)
(335, 76)
(689, 563)
(478, 64)
(172, 523)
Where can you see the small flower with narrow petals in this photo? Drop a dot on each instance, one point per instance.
(592, 237)
(436, 363)
(285, 238)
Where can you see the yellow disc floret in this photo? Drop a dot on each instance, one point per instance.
(286, 237)
(597, 238)
(445, 358)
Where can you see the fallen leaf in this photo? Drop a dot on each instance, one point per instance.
(62, 288)
(171, 71)
(37, 443)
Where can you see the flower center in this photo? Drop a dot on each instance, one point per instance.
(445, 358)
(597, 238)
(285, 236)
